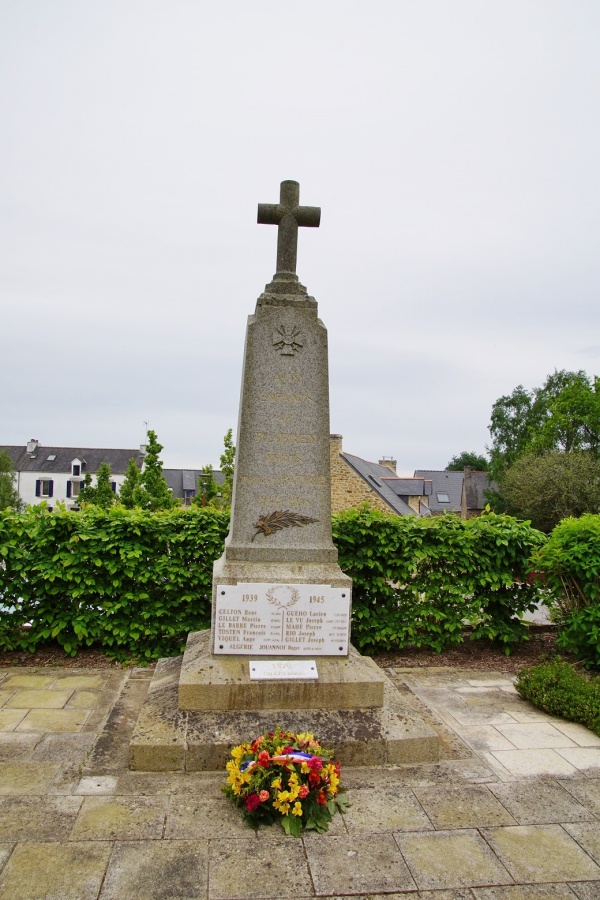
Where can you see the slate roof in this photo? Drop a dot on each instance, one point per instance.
(187, 479)
(410, 487)
(443, 483)
(39, 460)
(378, 478)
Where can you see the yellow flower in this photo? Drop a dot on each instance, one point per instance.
(297, 810)
(304, 737)
(281, 806)
(238, 753)
(276, 783)
(305, 768)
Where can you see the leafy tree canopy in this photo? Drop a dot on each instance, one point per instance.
(549, 486)
(152, 491)
(563, 415)
(9, 496)
(227, 461)
(102, 493)
(474, 460)
(132, 480)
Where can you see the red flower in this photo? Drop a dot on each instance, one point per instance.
(321, 798)
(252, 801)
(256, 744)
(263, 759)
(315, 763)
(288, 750)
(314, 778)
(303, 792)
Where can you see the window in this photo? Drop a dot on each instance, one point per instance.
(76, 470)
(44, 487)
(73, 488)
(52, 457)
(442, 497)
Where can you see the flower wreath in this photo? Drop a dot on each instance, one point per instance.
(285, 777)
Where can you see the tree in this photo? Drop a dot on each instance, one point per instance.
(208, 493)
(102, 494)
(550, 486)
(9, 496)
(227, 461)
(132, 480)
(152, 491)
(464, 459)
(563, 414)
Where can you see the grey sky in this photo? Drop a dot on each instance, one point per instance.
(453, 146)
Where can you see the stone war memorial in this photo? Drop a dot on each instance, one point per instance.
(278, 651)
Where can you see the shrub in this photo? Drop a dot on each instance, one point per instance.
(558, 689)
(570, 562)
(130, 581)
(420, 582)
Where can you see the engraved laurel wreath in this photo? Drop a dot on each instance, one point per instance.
(272, 595)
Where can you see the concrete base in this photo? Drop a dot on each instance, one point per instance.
(167, 739)
(214, 683)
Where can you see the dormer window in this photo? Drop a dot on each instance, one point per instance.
(76, 468)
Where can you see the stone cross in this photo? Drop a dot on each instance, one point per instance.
(288, 215)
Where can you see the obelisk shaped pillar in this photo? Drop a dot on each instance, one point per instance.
(280, 533)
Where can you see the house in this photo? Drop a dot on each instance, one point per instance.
(186, 483)
(55, 474)
(462, 493)
(355, 481)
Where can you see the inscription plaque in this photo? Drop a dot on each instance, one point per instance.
(283, 669)
(282, 619)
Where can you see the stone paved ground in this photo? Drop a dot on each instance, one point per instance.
(512, 810)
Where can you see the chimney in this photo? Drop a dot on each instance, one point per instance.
(32, 445)
(143, 449)
(389, 462)
(335, 444)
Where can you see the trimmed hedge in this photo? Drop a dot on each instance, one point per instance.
(130, 581)
(421, 582)
(558, 689)
(134, 583)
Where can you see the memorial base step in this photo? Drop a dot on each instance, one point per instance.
(168, 739)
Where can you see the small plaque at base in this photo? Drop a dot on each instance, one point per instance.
(283, 669)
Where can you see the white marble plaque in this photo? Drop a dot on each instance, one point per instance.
(283, 669)
(281, 620)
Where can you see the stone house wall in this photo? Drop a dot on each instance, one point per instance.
(348, 489)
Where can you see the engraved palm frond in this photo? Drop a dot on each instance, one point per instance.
(278, 520)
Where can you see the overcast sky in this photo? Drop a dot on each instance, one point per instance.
(453, 146)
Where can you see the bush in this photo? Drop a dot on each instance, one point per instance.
(558, 689)
(570, 562)
(129, 581)
(421, 582)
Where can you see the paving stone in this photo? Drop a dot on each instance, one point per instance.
(248, 870)
(66, 872)
(446, 772)
(53, 720)
(485, 737)
(537, 853)
(16, 745)
(394, 809)
(85, 700)
(120, 818)
(10, 718)
(525, 892)
(101, 784)
(586, 759)
(534, 735)
(28, 777)
(140, 870)
(203, 818)
(4, 696)
(580, 735)
(355, 864)
(38, 699)
(62, 746)
(451, 859)
(586, 790)
(586, 890)
(467, 806)
(587, 836)
(532, 763)
(540, 802)
(37, 818)
(78, 682)
(205, 784)
(28, 681)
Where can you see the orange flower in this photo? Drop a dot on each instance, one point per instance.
(264, 795)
